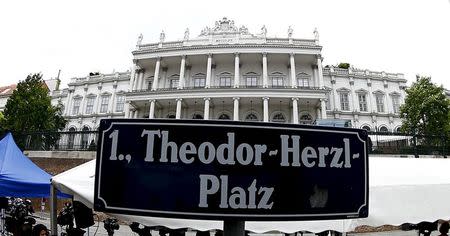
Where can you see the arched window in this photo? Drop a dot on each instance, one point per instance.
(366, 127)
(171, 116)
(224, 116)
(279, 117)
(251, 117)
(398, 130)
(71, 138)
(305, 119)
(383, 129)
(197, 117)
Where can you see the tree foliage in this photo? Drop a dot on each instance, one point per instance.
(29, 109)
(344, 65)
(426, 111)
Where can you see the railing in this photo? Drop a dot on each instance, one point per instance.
(242, 86)
(380, 143)
(58, 141)
(408, 144)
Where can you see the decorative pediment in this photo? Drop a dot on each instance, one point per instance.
(303, 75)
(343, 89)
(395, 94)
(277, 73)
(224, 26)
(361, 91)
(378, 92)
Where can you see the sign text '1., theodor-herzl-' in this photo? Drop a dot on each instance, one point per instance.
(217, 170)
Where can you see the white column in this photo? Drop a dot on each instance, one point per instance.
(265, 76)
(83, 101)
(206, 111)
(323, 108)
(236, 109)
(292, 64)
(372, 107)
(236, 70)
(208, 71)
(133, 77)
(137, 79)
(142, 80)
(126, 108)
(151, 113)
(178, 113)
(352, 95)
(318, 113)
(320, 70)
(156, 76)
(182, 67)
(113, 100)
(69, 102)
(266, 109)
(295, 110)
(135, 114)
(316, 76)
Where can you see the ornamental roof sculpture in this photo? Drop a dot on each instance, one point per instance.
(224, 27)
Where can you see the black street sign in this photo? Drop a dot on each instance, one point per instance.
(231, 170)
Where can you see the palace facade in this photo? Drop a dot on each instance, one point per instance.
(229, 73)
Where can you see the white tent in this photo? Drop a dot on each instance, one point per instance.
(401, 190)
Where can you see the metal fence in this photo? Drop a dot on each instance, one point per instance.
(408, 144)
(53, 141)
(380, 142)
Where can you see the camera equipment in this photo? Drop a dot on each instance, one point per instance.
(145, 231)
(65, 216)
(19, 220)
(84, 217)
(110, 225)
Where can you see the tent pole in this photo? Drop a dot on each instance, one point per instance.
(53, 206)
(233, 228)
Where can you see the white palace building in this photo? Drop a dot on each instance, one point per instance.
(229, 73)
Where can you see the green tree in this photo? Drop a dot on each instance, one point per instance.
(344, 65)
(426, 111)
(29, 110)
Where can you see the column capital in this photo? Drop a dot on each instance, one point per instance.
(264, 54)
(179, 99)
(295, 99)
(152, 100)
(291, 54)
(265, 98)
(323, 99)
(236, 98)
(236, 54)
(210, 55)
(207, 99)
(158, 58)
(183, 56)
(319, 57)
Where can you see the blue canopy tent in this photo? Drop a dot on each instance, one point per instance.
(19, 176)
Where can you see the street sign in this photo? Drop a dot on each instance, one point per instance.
(231, 170)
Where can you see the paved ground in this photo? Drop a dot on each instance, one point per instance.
(99, 230)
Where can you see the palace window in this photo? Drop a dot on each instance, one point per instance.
(197, 117)
(362, 102)
(251, 81)
(379, 98)
(366, 127)
(344, 101)
(76, 106)
(150, 84)
(120, 103)
(383, 129)
(90, 105)
(104, 102)
(303, 80)
(279, 117)
(174, 83)
(396, 104)
(224, 117)
(277, 81)
(225, 81)
(199, 82)
(305, 119)
(251, 117)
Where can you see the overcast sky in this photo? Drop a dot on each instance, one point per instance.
(401, 36)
